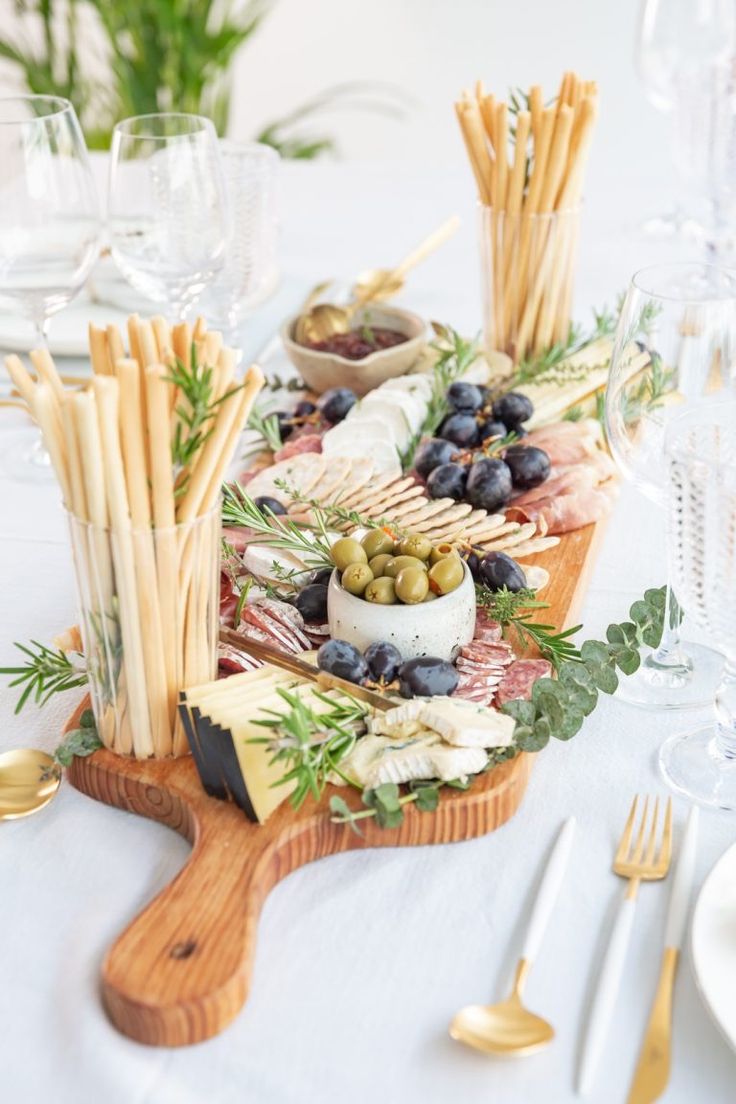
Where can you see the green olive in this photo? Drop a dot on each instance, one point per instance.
(378, 563)
(398, 563)
(381, 591)
(446, 574)
(440, 551)
(411, 585)
(347, 551)
(416, 545)
(376, 543)
(356, 578)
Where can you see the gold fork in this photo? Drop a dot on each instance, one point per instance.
(639, 859)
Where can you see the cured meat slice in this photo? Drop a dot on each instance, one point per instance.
(228, 600)
(231, 662)
(570, 511)
(498, 652)
(519, 679)
(486, 628)
(287, 617)
(566, 442)
(473, 666)
(569, 479)
(295, 446)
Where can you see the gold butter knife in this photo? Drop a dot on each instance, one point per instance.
(653, 1068)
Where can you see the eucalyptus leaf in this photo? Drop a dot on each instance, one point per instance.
(428, 798)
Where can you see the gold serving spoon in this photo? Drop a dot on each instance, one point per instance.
(301, 329)
(29, 779)
(508, 1027)
(326, 319)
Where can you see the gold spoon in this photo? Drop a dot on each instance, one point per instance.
(508, 1027)
(300, 333)
(29, 779)
(326, 319)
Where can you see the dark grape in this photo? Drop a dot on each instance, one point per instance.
(491, 428)
(512, 409)
(432, 453)
(465, 397)
(447, 481)
(426, 677)
(322, 575)
(529, 466)
(312, 603)
(485, 394)
(489, 485)
(304, 408)
(472, 559)
(497, 570)
(265, 502)
(383, 660)
(461, 429)
(335, 404)
(340, 658)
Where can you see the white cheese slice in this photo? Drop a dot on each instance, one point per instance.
(377, 408)
(418, 385)
(467, 725)
(409, 711)
(371, 430)
(382, 454)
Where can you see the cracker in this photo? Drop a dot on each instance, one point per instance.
(355, 496)
(302, 472)
(385, 507)
(536, 544)
(521, 536)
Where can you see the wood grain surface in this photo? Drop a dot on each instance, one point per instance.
(179, 973)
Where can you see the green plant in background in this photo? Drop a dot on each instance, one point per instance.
(162, 55)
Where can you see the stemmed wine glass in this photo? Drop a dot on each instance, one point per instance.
(675, 343)
(700, 449)
(167, 209)
(49, 219)
(684, 57)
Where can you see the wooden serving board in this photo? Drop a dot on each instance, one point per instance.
(179, 973)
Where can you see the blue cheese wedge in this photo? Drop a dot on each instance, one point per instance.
(465, 724)
(378, 759)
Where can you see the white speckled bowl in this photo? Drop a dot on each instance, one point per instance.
(321, 371)
(430, 628)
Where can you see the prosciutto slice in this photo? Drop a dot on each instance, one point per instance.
(567, 442)
(571, 510)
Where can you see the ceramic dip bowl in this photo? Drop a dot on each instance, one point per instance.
(321, 370)
(430, 628)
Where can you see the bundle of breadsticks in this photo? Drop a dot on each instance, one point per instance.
(528, 159)
(140, 455)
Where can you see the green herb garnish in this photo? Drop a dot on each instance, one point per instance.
(267, 425)
(47, 671)
(277, 531)
(80, 741)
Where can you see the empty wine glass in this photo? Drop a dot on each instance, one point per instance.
(167, 209)
(700, 447)
(684, 55)
(675, 343)
(49, 219)
(250, 270)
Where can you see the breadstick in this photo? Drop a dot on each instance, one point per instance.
(46, 412)
(115, 345)
(102, 363)
(21, 377)
(43, 362)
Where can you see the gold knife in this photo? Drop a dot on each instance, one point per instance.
(653, 1068)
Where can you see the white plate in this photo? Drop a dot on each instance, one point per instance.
(714, 944)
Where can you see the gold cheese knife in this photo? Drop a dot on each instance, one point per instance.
(653, 1069)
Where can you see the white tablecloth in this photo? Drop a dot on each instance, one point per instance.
(363, 958)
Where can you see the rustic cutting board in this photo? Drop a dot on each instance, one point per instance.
(179, 973)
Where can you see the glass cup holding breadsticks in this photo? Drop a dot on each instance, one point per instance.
(700, 452)
(528, 159)
(49, 224)
(675, 344)
(167, 207)
(140, 456)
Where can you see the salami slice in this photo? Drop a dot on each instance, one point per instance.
(484, 652)
(309, 442)
(287, 616)
(486, 628)
(520, 677)
(230, 661)
(470, 679)
(486, 667)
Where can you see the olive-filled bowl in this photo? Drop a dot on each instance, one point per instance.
(435, 628)
(321, 370)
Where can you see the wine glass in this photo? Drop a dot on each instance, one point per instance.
(167, 209)
(49, 219)
(675, 342)
(684, 54)
(700, 449)
(250, 270)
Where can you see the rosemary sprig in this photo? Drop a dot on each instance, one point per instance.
(456, 354)
(551, 365)
(648, 392)
(279, 532)
(511, 609)
(267, 425)
(310, 742)
(195, 414)
(47, 671)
